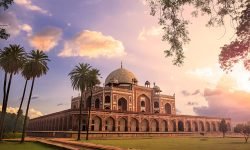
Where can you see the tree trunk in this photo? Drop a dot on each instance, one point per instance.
(223, 134)
(27, 111)
(80, 119)
(20, 107)
(246, 139)
(5, 103)
(89, 108)
(4, 94)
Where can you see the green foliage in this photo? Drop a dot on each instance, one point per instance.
(175, 25)
(5, 4)
(26, 146)
(78, 76)
(3, 34)
(12, 58)
(223, 127)
(11, 135)
(36, 65)
(9, 122)
(243, 129)
(238, 49)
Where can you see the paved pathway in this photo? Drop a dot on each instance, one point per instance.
(69, 144)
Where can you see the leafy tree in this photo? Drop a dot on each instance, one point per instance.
(92, 81)
(175, 25)
(78, 77)
(238, 49)
(223, 127)
(36, 67)
(243, 129)
(5, 5)
(11, 61)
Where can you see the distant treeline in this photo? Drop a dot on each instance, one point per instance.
(10, 122)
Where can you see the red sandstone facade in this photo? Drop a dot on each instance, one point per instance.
(123, 106)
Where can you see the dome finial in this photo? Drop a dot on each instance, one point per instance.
(121, 64)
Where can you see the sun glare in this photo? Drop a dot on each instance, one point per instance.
(242, 78)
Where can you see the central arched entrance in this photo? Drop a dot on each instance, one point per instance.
(122, 104)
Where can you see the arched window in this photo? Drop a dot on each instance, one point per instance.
(107, 99)
(156, 105)
(142, 103)
(97, 103)
(167, 108)
(122, 104)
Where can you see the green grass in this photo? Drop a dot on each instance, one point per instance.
(25, 146)
(178, 143)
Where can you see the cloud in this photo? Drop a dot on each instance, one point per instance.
(34, 97)
(92, 44)
(30, 6)
(9, 21)
(151, 32)
(13, 26)
(210, 92)
(202, 72)
(47, 39)
(32, 112)
(192, 103)
(196, 92)
(186, 93)
(27, 28)
(223, 102)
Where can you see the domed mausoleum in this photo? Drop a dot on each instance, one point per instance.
(123, 108)
(121, 76)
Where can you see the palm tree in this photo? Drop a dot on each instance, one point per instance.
(78, 77)
(92, 81)
(36, 67)
(12, 59)
(25, 74)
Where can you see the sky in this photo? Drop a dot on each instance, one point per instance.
(105, 32)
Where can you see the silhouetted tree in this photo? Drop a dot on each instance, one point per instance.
(223, 127)
(37, 65)
(92, 80)
(78, 77)
(11, 62)
(243, 129)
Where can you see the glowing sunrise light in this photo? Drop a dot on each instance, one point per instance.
(242, 78)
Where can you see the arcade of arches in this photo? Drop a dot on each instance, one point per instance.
(126, 123)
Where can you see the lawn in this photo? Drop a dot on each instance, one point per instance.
(172, 143)
(25, 146)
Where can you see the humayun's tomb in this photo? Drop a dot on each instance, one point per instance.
(123, 108)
